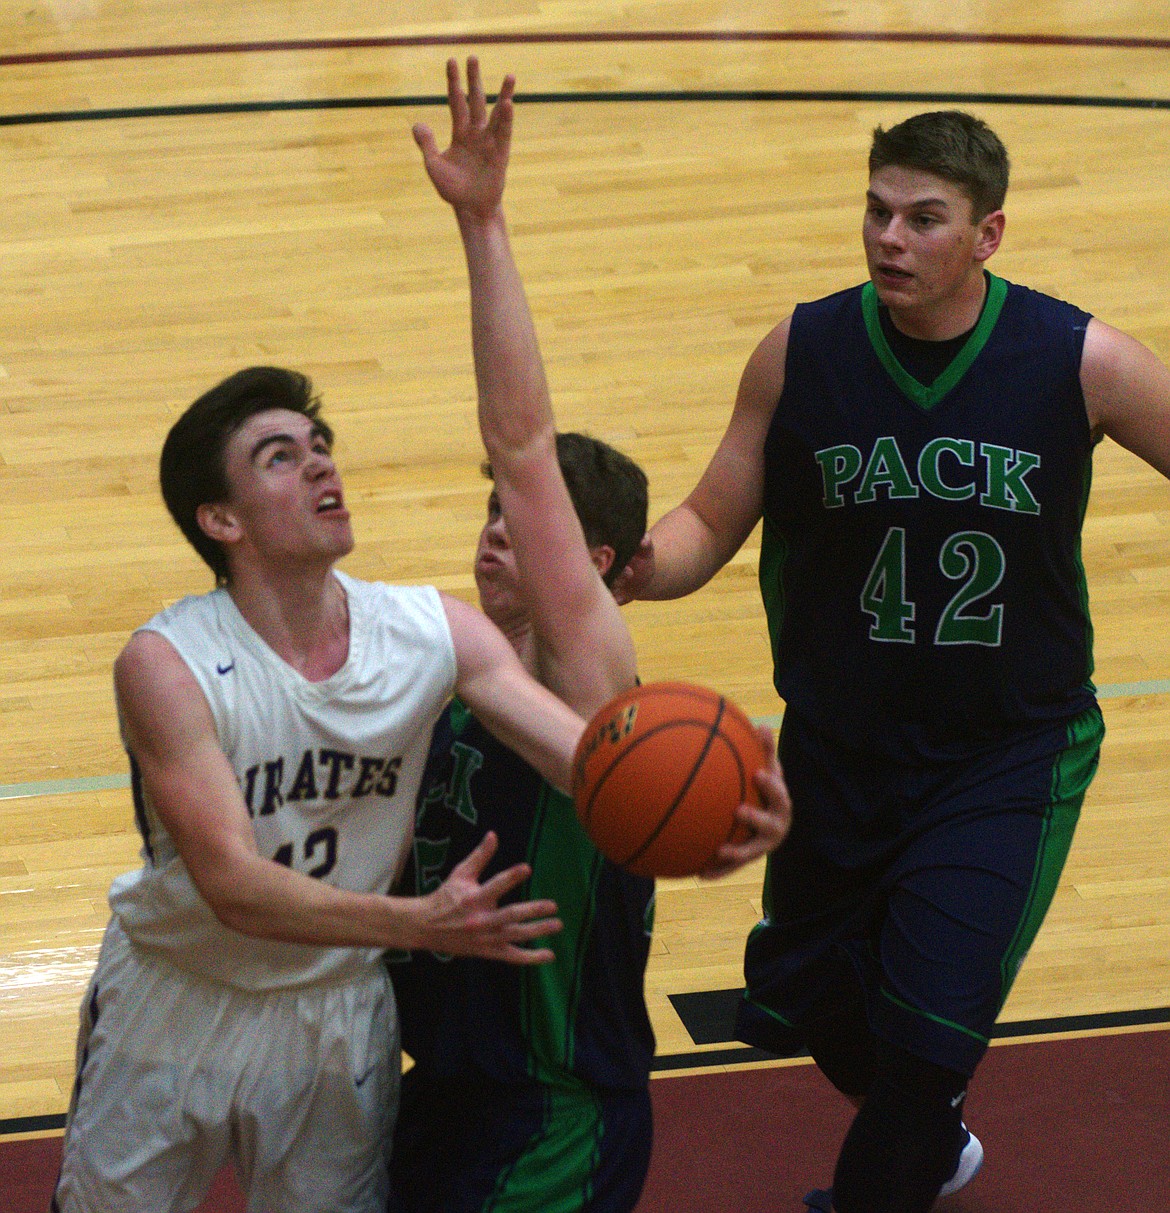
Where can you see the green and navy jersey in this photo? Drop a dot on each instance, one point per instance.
(920, 562)
(583, 1016)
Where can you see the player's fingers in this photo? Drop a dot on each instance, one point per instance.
(476, 102)
(769, 780)
(520, 912)
(636, 574)
(769, 828)
(620, 586)
(456, 101)
(474, 864)
(500, 122)
(504, 882)
(538, 928)
(732, 856)
(526, 956)
(425, 138)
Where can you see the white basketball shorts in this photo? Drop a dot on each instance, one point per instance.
(175, 1076)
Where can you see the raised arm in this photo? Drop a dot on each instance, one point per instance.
(1127, 393)
(524, 715)
(171, 735)
(688, 545)
(585, 653)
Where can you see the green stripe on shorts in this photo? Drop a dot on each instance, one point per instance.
(1072, 773)
(555, 1173)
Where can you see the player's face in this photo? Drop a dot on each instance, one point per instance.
(496, 577)
(924, 250)
(286, 501)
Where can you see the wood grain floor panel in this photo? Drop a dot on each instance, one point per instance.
(143, 259)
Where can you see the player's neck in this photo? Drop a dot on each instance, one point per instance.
(943, 319)
(303, 618)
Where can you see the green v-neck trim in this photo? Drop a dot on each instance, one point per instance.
(923, 396)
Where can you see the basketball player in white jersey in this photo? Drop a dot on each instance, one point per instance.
(277, 728)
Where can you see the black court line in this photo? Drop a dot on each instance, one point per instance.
(566, 98)
(709, 1015)
(599, 36)
(709, 1018)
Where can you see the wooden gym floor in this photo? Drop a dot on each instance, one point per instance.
(186, 189)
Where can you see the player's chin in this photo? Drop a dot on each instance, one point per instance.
(496, 595)
(895, 290)
(341, 542)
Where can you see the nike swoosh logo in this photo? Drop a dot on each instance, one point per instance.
(357, 1082)
(225, 669)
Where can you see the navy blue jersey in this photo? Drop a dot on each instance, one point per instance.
(920, 563)
(581, 1017)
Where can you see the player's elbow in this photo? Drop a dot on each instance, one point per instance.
(233, 910)
(233, 898)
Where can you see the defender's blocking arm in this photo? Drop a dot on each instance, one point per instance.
(585, 651)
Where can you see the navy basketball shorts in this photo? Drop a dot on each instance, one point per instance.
(467, 1146)
(924, 885)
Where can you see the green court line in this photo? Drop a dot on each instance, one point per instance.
(1113, 690)
(59, 787)
(1156, 686)
(99, 783)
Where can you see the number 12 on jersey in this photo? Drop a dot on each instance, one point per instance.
(972, 558)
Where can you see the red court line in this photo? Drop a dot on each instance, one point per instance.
(328, 44)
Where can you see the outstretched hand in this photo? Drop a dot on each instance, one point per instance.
(463, 917)
(769, 824)
(470, 173)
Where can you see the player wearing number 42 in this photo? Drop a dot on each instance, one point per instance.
(919, 450)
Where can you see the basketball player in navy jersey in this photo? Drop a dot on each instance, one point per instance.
(277, 728)
(533, 1095)
(919, 451)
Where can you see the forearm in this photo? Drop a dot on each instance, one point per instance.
(258, 897)
(529, 719)
(514, 406)
(687, 554)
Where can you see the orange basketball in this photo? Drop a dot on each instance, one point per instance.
(659, 773)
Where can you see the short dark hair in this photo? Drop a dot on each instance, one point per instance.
(192, 468)
(953, 145)
(610, 493)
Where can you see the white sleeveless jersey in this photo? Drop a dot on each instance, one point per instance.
(329, 771)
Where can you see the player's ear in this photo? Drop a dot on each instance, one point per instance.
(602, 557)
(218, 521)
(990, 233)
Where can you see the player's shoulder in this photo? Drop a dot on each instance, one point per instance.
(847, 296)
(830, 318)
(162, 634)
(836, 304)
(145, 647)
(151, 675)
(1019, 297)
(187, 609)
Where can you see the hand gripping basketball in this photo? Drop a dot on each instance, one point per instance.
(659, 773)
